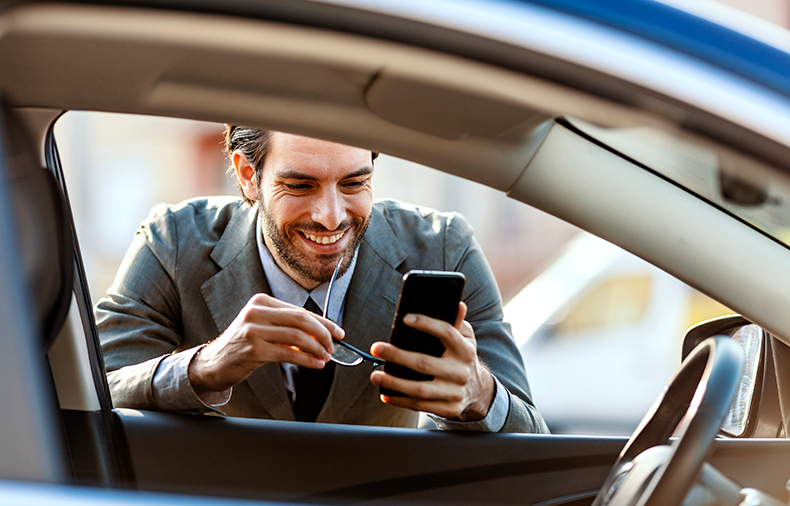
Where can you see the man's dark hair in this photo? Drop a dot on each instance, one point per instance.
(254, 143)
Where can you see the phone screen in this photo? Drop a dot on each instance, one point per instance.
(431, 293)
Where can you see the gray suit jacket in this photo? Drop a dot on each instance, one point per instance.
(193, 266)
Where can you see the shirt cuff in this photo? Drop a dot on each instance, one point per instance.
(174, 392)
(492, 422)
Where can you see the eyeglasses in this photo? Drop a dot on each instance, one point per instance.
(344, 353)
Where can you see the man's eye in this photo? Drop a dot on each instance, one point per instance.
(297, 187)
(352, 185)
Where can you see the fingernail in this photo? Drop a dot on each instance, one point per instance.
(409, 318)
(340, 332)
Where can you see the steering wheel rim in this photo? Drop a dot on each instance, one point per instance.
(695, 403)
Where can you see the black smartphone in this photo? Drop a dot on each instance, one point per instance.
(430, 293)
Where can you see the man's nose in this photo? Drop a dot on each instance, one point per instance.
(329, 210)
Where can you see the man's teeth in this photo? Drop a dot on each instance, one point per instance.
(327, 239)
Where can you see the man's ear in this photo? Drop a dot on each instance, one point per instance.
(245, 173)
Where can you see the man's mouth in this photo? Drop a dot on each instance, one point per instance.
(324, 239)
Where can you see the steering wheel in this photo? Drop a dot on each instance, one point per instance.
(650, 470)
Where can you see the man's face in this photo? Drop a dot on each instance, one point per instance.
(315, 199)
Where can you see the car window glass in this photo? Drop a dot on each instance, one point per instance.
(600, 332)
(616, 301)
(119, 166)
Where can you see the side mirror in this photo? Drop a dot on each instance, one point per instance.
(739, 419)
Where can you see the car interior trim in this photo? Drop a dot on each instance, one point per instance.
(150, 90)
(589, 186)
(652, 65)
(71, 368)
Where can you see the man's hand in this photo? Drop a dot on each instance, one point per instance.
(462, 387)
(265, 330)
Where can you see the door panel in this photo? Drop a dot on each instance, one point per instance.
(338, 464)
(335, 464)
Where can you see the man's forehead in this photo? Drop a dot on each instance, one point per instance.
(293, 153)
(293, 143)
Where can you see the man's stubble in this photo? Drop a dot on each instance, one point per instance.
(294, 257)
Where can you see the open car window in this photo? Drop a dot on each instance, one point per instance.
(614, 316)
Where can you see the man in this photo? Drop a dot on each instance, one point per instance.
(206, 312)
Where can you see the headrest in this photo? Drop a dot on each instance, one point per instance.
(43, 227)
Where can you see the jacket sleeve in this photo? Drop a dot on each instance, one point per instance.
(139, 318)
(495, 344)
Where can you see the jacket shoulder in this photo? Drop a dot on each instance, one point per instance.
(425, 222)
(416, 237)
(205, 217)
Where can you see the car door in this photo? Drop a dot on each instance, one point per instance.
(315, 462)
(319, 462)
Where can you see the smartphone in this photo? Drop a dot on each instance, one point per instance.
(430, 293)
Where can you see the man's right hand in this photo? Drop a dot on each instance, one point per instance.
(265, 330)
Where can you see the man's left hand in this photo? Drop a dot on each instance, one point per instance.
(462, 388)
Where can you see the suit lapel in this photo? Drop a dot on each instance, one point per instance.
(227, 292)
(240, 273)
(370, 307)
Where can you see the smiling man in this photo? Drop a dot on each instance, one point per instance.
(215, 305)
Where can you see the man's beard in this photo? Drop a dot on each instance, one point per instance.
(316, 267)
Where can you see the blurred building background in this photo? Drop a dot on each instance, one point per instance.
(123, 165)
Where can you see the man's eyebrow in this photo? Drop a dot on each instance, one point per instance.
(364, 171)
(297, 174)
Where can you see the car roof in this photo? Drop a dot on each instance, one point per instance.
(763, 59)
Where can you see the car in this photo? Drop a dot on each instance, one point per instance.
(661, 131)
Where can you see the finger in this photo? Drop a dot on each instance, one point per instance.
(334, 329)
(467, 331)
(265, 301)
(435, 389)
(459, 319)
(290, 337)
(292, 317)
(461, 324)
(310, 323)
(282, 353)
(450, 336)
(447, 369)
(434, 400)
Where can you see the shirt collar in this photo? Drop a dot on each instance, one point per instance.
(286, 289)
